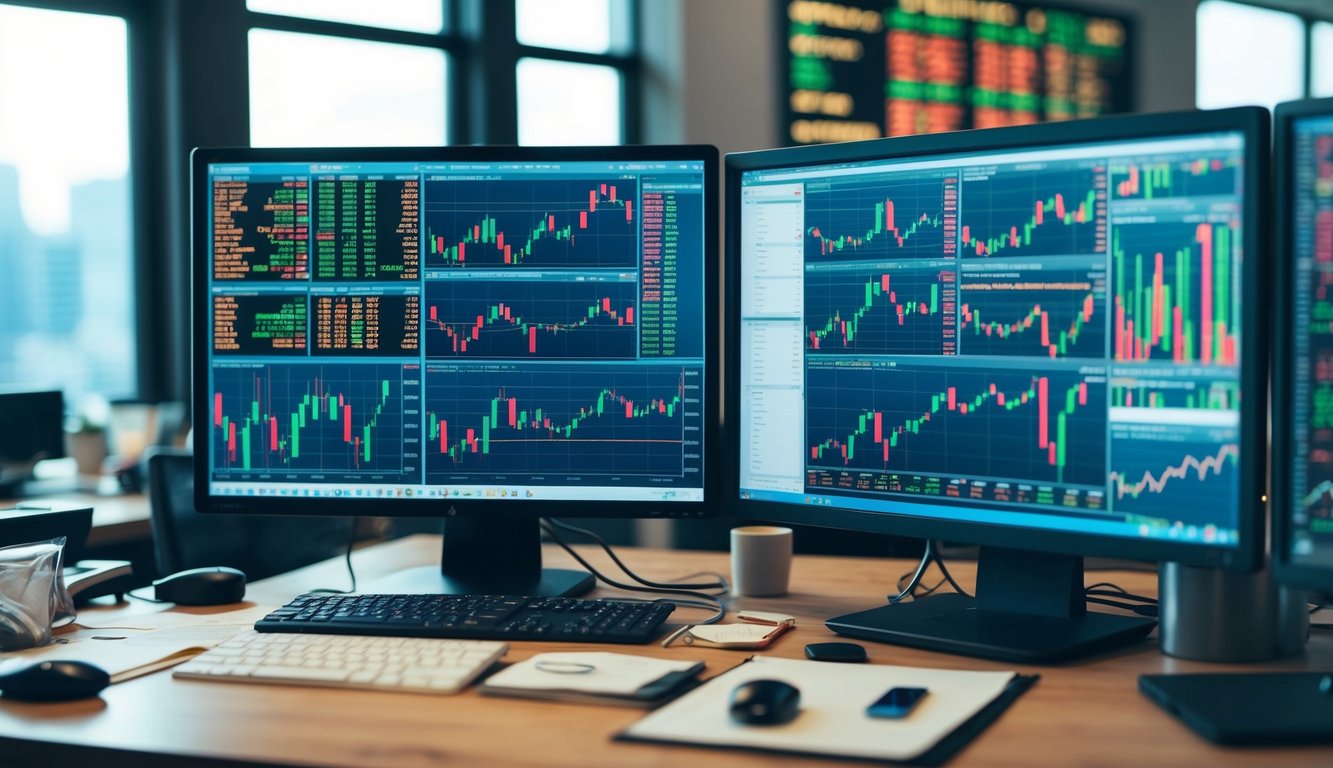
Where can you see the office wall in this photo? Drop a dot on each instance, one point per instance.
(709, 66)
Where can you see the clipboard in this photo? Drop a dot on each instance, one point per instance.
(836, 726)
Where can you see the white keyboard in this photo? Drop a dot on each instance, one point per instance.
(410, 664)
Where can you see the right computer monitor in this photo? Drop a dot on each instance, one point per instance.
(1046, 339)
(1303, 369)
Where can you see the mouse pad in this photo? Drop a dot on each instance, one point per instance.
(1246, 708)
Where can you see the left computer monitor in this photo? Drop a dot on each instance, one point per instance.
(490, 335)
(32, 429)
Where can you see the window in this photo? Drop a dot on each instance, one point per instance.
(572, 77)
(411, 15)
(66, 272)
(1249, 54)
(365, 86)
(357, 94)
(1321, 59)
(564, 103)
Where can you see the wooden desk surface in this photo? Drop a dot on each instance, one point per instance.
(117, 519)
(1088, 713)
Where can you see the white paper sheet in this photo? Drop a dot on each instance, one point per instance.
(832, 720)
(127, 653)
(618, 674)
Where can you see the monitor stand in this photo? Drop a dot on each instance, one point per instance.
(1030, 608)
(488, 556)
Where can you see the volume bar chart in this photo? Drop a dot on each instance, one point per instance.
(529, 224)
(336, 421)
(539, 319)
(562, 425)
(1042, 313)
(1200, 176)
(905, 218)
(1046, 427)
(1048, 212)
(1174, 293)
(901, 311)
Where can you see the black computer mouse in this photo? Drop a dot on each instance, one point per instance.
(202, 586)
(54, 681)
(765, 702)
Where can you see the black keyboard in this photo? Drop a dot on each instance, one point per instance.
(490, 617)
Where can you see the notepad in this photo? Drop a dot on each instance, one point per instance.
(594, 676)
(832, 719)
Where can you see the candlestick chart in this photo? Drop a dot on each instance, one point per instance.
(562, 319)
(1039, 427)
(903, 217)
(335, 420)
(1175, 294)
(562, 424)
(880, 311)
(532, 223)
(1028, 212)
(1042, 313)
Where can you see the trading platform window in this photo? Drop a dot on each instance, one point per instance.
(1230, 73)
(66, 304)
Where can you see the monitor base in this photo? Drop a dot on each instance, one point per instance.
(952, 623)
(428, 580)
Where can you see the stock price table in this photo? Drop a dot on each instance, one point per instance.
(366, 229)
(861, 69)
(261, 229)
(259, 324)
(381, 325)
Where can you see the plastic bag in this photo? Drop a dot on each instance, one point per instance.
(33, 597)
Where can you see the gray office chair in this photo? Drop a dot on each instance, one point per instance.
(259, 545)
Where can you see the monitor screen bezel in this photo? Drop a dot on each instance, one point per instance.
(1252, 122)
(1285, 119)
(711, 438)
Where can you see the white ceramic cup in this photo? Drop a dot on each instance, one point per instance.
(760, 560)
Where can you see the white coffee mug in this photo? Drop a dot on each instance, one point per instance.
(760, 560)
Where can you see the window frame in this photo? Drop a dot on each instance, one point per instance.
(1307, 17)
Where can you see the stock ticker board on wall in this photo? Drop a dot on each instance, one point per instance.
(863, 69)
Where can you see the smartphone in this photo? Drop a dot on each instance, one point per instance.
(897, 703)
